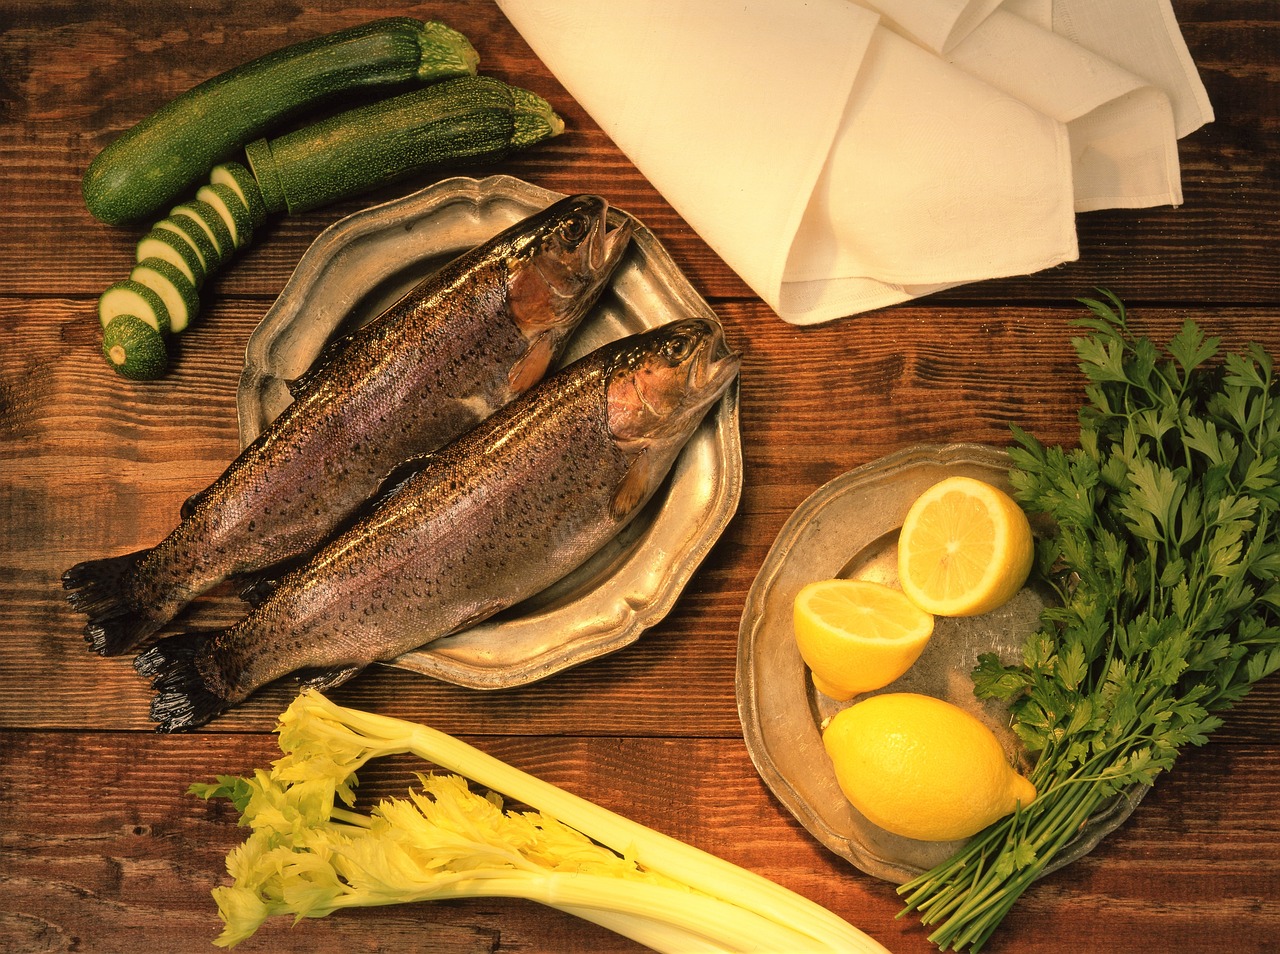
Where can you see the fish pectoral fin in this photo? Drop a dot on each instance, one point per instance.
(256, 587)
(532, 366)
(633, 489)
(255, 591)
(322, 679)
(479, 613)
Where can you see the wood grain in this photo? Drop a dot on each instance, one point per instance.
(99, 845)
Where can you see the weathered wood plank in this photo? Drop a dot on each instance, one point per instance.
(98, 844)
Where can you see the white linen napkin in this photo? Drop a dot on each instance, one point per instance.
(842, 156)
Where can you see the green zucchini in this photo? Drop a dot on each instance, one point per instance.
(174, 288)
(468, 119)
(134, 348)
(130, 297)
(187, 228)
(155, 162)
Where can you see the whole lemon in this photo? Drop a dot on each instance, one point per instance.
(921, 767)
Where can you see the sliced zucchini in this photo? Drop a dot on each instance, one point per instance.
(130, 297)
(134, 348)
(178, 294)
(197, 238)
(240, 180)
(207, 217)
(235, 214)
(173, 248)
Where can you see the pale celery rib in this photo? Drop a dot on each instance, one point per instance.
(307, 857)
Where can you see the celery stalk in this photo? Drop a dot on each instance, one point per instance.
(652, 933)
(648, 848)
(309, 857)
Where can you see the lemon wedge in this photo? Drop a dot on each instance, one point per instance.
(965, 548)
(921, 767)
(856, 635)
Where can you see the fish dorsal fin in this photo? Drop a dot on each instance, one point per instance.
(397, 477)
(633, 488)
(308, 377)
(298, 386)
(189, 505)
(533, 364)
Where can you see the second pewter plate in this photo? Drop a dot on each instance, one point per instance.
(362, 264)
(848, 528)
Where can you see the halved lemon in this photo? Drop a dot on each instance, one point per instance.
(856, 635)
(965, 548)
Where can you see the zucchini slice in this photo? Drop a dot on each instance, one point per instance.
(184, 228)
(240, 180)
(130, 297)
(134, 349)
(168, 245)
(234, 213)
(207, 217)
(178, 294)
(265, 174)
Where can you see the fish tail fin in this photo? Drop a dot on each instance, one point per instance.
(102, 590)
(183, 698)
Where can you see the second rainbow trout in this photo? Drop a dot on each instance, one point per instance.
(487, 521)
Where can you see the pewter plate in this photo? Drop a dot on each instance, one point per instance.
(365, 262)
(848, 528)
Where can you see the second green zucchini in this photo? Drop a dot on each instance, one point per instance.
(464, 120)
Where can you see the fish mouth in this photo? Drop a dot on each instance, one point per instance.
(717, 363)
(611, 239)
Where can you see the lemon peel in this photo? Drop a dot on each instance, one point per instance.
(921, 767)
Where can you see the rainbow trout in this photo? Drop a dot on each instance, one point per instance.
(498, 515)
(462, 343)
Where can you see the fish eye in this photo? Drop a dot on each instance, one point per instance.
(679, 347)
(576, 227)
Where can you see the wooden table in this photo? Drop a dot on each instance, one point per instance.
(103, 851)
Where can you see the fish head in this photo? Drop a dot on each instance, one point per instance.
(663, 382)
(559, 261)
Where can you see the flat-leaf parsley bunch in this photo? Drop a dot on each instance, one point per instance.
(1165, 558)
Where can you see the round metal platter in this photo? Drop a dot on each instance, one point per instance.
(362, 264)
(848, 529)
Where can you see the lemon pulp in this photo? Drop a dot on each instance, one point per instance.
(857, 635)
(965, 548)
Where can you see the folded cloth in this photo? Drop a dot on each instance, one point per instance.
(841, 156)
